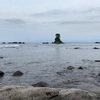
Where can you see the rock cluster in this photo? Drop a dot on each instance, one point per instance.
(13, 43)
(42, 93)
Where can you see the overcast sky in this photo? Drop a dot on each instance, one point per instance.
(40, 20)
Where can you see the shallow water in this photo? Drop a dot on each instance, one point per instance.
(48, 63)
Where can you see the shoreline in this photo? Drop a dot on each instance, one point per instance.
(13, 92)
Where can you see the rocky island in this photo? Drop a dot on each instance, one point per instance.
(57, 39)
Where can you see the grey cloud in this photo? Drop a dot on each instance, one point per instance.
(95, 17)
(50, 13)
(66, 11)
(69, 22)
(91, 10)
(14, 21)
(78, 22)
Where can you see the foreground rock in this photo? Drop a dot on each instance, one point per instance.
(44, 93)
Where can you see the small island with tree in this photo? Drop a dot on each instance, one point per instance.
(57, 39)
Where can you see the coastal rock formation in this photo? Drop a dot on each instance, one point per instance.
(44, 93)
(57, 39)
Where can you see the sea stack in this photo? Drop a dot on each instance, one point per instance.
(57, 39)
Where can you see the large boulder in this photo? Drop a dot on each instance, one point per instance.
(42, 93)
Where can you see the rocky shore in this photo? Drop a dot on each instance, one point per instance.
(42, 93)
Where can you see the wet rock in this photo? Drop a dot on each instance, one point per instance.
(3, 42)
(1, 57)
(70, 67)
(98, 74)
(16, 42)
(77, 48)
(44, 93)
(80, 67)
(45, 42)
(18, 73)
(97, 60)
(1, 73)
(71, 82)
(95, 48)
(40, 84)
(97, 42)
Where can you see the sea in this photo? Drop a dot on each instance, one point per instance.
(48, 63)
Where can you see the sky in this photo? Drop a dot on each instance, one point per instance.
(40, 20)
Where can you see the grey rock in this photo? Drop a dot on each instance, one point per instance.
(70, 67)
(17, 73)
(40, 84)
(1, 73)
(1, 57)
(95, 48)
(97, 60)
(42, 93)
(80, 67)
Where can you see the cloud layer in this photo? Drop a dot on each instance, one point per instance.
(34, 18)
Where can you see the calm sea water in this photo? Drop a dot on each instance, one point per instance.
(48, 63)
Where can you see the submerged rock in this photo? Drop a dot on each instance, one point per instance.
(3, 42)
(45, 42)
(1, 57)
(16, 42)
(77, 48)
(40, 84)
(70, 67)
(44, 93)
(95, 48)
(1, 73)
(80, 67)
(97, 60)
(18, 73)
